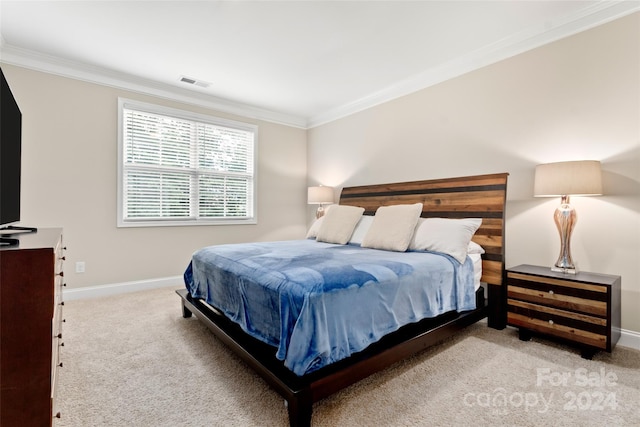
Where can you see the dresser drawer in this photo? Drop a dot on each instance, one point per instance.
(55, 366)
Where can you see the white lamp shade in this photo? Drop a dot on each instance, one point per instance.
(578, 178)
(319, 195)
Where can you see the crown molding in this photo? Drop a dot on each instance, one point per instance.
(78, 71)
(528, 39)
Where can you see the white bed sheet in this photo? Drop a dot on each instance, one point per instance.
(477, 269)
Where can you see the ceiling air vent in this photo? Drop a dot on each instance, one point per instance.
(195, 82)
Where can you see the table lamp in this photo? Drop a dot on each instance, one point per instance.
(320, 196)
(565, 179)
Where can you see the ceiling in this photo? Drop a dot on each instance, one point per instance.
(301, 63)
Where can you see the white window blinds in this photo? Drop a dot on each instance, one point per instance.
(179, 169)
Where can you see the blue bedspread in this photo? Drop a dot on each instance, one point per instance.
(318, 303)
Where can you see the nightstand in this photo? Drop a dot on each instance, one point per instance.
(582, 308)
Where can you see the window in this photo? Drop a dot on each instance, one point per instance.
(182, 168)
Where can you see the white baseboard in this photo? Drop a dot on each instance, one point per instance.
(121, 288)
(630, 339)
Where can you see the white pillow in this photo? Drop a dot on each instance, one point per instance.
(449, 236)
(475, 248)
(339, 223)
(392, 227)
(313, 230)
(361, 229)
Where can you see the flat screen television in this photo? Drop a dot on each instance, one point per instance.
(10, 153)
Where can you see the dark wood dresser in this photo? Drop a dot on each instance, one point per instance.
(31, 280)
(582, 308)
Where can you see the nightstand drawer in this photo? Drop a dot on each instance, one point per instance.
(576, 327)
(585, 298)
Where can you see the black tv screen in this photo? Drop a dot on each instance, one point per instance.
(10, 152)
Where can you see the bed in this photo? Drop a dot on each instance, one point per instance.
(304, 381)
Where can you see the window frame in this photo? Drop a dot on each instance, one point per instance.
(124, 103)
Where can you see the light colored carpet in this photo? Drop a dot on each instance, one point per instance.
(132, 360)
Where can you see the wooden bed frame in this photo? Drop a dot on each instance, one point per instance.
(482, 196)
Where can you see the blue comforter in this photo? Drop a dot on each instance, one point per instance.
(318, 303)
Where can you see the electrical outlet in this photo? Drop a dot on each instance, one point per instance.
(80, 267)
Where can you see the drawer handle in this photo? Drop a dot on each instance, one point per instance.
(58, 415)
(551, 292)
(550, 322)
(59, 335)
(63, 258)
(60, 364)
(61, 274)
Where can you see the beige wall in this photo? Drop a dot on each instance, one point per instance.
(69, 180)
(577, 98)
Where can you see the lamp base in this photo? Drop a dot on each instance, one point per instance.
(565, 270)
(565, 218)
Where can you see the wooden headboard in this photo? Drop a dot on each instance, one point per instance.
(481, 196)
